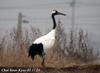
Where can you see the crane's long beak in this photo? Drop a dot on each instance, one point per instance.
(59, 13)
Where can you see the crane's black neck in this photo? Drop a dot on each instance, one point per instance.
(54, 22)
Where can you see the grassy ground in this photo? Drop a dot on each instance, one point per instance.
(73, 69)
(55, 63)
(10, 59)
(70, 69)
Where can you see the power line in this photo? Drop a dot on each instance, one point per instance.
(39, 6)
(8, 19)
(36, 6)
(47, 18)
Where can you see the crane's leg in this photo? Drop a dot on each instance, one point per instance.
(41, 53)
(43, 59)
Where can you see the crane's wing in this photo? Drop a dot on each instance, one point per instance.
(47, 40)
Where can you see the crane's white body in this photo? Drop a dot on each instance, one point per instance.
(47, 40)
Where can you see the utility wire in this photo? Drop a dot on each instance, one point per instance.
(36, 6)
(46, 18)
(43, 6)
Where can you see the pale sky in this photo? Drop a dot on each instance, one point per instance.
(37, 12)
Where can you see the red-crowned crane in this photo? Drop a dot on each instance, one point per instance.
(47, 41)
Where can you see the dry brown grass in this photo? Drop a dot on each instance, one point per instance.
(53, 59)
(55, 63)
(10, 59)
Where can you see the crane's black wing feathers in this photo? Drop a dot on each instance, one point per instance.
(36, 49)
